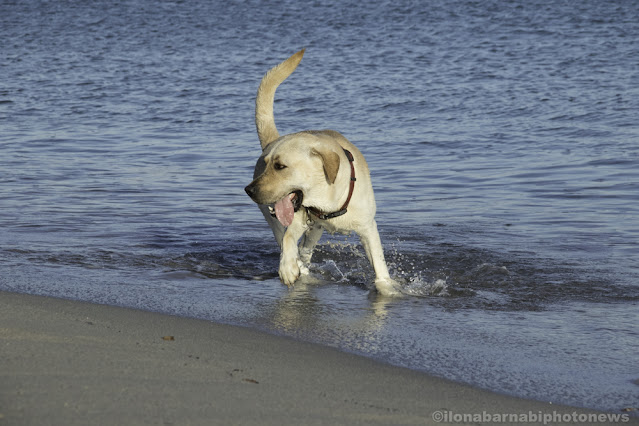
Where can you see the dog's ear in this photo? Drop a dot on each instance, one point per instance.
(330, 159)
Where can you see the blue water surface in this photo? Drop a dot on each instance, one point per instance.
(502, 137)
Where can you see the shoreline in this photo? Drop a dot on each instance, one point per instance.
(75, 363)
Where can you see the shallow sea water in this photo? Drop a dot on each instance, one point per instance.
(502, 137)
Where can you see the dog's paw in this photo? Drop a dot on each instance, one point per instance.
(387, 287)
(290, 270)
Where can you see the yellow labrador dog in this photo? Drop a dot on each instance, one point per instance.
(310, 181)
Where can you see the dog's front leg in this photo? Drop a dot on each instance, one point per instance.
(374, 251)
(277, 228)
(290, 264)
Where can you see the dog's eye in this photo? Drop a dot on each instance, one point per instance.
(279, 166)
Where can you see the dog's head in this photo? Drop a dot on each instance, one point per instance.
(294, 170)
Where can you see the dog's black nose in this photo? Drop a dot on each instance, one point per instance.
(250, 190)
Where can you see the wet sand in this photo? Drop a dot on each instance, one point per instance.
(73, 363)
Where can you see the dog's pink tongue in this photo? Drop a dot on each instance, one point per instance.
(284, 210)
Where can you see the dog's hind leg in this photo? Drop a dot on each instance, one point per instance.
(375, 253)
(308, 242)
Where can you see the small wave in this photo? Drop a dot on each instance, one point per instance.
(455, 275)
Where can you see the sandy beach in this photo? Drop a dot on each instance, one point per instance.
(71, 363)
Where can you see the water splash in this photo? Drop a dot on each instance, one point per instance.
(419, 288)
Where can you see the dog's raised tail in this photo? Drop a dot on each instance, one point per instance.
(264, 120)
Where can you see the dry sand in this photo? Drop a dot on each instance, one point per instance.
(71, 363)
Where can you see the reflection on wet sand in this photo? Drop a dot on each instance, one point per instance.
(302, 309)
